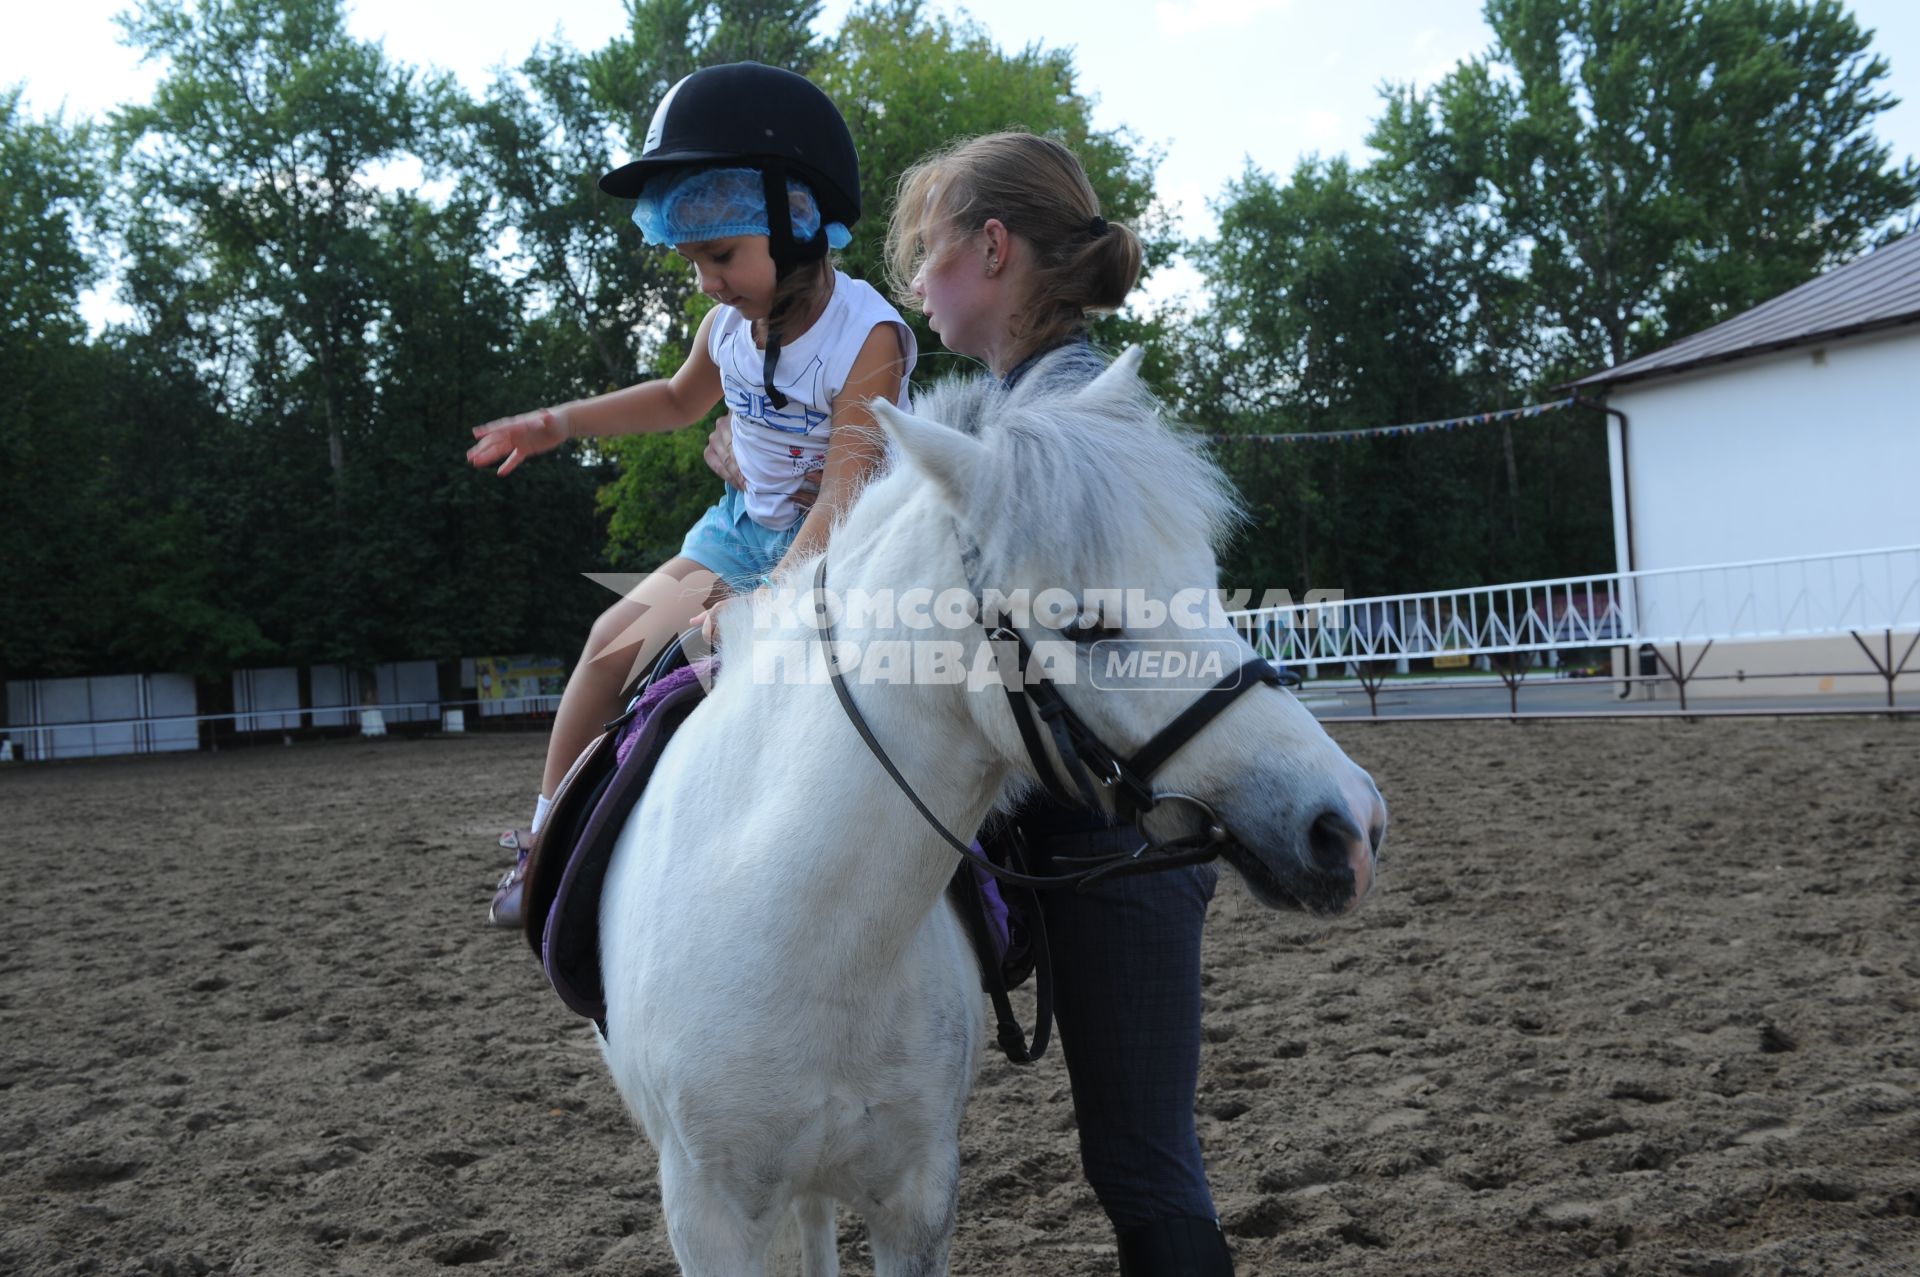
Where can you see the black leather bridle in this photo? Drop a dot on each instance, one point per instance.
(1089, 763)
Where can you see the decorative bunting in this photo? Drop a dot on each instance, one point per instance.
(1394, 432)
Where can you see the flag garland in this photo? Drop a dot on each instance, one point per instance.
(1394, 432)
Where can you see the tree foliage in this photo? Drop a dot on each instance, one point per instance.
(911, 82)
(336, 265)
(105, 562)
(1664, 163)
(1608, 177)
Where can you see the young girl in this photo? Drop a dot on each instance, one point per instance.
(795, 347)
(1000, 242)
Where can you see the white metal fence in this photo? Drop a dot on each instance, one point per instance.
(1810, 596)
(110, 714)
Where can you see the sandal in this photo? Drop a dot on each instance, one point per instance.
(507, 909)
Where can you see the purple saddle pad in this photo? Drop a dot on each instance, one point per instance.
(995, 905)
(1008, 942)
(570, 943)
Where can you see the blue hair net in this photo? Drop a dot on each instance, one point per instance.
(717, 203)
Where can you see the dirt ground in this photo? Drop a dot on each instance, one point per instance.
(1636, 999)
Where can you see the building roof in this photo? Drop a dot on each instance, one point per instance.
(1880, 289)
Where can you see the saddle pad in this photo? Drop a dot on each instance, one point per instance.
(579, 794)
(1007, 935)
(570, 939)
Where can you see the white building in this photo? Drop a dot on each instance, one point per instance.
(1791, 429)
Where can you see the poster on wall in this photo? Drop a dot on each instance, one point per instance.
(507, 678)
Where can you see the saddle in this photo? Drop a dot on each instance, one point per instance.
(567, 867)
(568, 864)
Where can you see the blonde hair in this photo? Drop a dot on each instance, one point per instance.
(1082, 265)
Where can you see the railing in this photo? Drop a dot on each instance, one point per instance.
(1809, 596)
(41, 741)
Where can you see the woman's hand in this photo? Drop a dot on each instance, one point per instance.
(516, 439)
(709, 620)
(719, 453)
(719, 459)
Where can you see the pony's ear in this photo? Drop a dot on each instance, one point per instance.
(1125, 368)
(956, 462)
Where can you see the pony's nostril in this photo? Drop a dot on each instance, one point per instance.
(1376, 836)
(1332, 839)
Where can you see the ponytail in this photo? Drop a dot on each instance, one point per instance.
(1083, 264)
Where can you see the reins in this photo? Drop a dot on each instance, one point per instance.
(1087, 759)
(1088, 763)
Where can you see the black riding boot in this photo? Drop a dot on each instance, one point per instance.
(1175, 1248)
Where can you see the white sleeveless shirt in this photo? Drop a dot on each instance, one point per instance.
(781, 450)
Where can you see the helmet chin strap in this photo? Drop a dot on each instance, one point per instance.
(786, 254)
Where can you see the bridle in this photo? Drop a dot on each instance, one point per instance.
(1089, 763)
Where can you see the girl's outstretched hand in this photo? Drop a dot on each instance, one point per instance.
(515, 439)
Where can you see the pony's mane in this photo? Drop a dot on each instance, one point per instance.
(1093, 475)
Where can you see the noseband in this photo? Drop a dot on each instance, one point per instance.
(1089, 763)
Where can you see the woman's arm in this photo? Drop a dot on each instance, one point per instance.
(665, 403)
(857, 446)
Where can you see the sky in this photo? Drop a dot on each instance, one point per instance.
(1215, 84)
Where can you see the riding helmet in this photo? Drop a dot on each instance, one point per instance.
(749, 113)
(753, 115)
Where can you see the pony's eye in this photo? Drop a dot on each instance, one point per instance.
(1089, 626)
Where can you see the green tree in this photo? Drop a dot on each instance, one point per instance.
(1324, 318)
(48, 182)
(460, 561)
(1607, 177)
(106, 556)
(251, 239)
(1664, 163)
(324, 344)
(49, 179)
(262, 141)
(910, 81)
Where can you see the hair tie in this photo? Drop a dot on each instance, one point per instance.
(1098, 226)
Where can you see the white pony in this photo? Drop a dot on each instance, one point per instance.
(793, 1012)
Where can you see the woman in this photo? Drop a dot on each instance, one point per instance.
(1000, 242)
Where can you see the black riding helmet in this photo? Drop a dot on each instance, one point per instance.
(747, 114)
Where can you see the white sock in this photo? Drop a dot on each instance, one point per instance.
(540, 810)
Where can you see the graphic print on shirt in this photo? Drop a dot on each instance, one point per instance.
(782, 451)
(749, 403)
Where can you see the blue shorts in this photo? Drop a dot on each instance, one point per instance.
(727, 542)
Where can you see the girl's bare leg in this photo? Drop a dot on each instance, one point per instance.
(627, 636)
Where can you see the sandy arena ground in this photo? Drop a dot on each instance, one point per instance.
(1637, 999)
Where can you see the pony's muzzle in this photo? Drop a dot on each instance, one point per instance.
(1336, 844)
